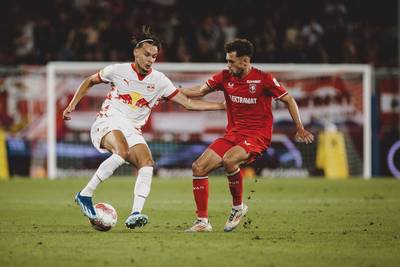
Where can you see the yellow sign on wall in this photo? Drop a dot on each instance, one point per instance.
(331, 155)
(4, 173)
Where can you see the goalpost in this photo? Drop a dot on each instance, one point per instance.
(327, 95)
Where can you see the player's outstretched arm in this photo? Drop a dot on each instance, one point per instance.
(193, 104)
(302, 135)
(81, 92)
(196, 91)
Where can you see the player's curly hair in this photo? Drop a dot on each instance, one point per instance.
(242, 47)
(145, 36)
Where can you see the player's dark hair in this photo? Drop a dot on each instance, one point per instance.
(145, 36)
(242, 47)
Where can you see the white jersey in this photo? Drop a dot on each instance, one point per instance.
(132, 96)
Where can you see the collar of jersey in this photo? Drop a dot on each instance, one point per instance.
(139, 75)
(247, 75)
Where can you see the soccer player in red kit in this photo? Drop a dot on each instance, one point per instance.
(248, 93)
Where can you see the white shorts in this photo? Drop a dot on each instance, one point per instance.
(102, 126)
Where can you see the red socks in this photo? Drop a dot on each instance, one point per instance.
(236, 186)
(200, 193)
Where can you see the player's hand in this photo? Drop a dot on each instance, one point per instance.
(304, 136)
(67, 113)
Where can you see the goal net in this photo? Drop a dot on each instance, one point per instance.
(334, 102)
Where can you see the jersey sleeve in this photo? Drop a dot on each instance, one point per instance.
(169, 90)
(215, 82)
(106, 75)
(273, 87)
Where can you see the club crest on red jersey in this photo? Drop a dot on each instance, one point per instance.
(252, 88)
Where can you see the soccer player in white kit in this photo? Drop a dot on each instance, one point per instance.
(135, 89)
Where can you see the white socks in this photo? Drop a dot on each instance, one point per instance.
(142, 188)
(105, 170)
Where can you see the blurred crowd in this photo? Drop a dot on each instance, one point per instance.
(283, 31)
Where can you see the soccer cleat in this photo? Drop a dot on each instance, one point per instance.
(199, 226)
(136, 220)
(86, 205)
(234, 218)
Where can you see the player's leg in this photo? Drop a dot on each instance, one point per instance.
(114, 142)
(140, 156)
(231, 162)
(206, 163)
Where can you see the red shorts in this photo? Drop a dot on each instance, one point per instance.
(253, 145)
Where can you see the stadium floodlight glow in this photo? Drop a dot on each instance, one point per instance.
(54, 70)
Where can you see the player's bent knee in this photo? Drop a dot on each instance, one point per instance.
(149, 163)
(146, 163)
(198, 169)
(123, 153)
(229, 163)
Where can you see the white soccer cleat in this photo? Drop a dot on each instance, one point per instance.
(234, 218)
(199, 226)
(136, 220)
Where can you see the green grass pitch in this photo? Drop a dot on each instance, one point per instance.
(297, 222)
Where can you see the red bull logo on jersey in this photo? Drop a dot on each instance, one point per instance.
(134, 100)
(243, 100)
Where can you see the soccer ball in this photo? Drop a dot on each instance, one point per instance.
(106, 217)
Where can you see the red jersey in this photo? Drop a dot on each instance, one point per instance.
(248, 101)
